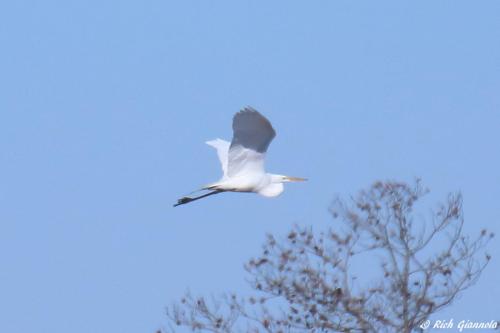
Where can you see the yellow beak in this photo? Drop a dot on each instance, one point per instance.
(295, 179)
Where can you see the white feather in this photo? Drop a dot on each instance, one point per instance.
(222, 148)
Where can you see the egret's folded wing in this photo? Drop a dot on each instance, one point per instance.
(252, 130)
(222, 148)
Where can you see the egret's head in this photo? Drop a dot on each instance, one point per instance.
(287, 179)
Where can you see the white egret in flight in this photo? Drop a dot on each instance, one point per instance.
(242, 160)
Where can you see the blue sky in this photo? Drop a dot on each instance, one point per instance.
(105, 107)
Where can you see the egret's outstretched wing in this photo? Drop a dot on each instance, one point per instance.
(252, 130)
(252, 134)
(222, 148)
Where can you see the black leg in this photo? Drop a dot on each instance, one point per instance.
(185, 200)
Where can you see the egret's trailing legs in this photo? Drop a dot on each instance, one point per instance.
(185, 200)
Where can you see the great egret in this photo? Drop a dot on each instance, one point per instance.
(242, 160)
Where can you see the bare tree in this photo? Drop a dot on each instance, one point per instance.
(311, 282)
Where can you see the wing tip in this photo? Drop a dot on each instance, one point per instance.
(248, 109)
(215, 142)
(211, 142)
